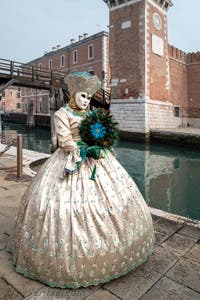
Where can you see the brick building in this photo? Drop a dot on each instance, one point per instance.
(11, 100)
(153, 84)
(89, 53)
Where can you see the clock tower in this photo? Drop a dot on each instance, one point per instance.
(140, 79)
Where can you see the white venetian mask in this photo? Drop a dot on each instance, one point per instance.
(82, 100)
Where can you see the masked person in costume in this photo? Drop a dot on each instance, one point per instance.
(72, 231)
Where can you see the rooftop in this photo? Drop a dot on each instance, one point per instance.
(73, 45)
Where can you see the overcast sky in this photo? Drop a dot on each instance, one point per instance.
(30, 27)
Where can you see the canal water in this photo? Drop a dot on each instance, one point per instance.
(167, 176)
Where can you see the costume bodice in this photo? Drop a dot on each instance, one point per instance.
(67, 127)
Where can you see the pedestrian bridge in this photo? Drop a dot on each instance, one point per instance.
(14, 73)
(26, 75)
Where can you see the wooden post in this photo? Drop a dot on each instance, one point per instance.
(0, 128)
(19, 156)
(33, 73)
(11, 68)
(30, 115)
(52, 77)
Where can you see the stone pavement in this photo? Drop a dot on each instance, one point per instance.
(171, 272)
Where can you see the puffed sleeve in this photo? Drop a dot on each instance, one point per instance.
(63, 131)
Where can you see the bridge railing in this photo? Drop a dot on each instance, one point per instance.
(29, 75)
(30, 72)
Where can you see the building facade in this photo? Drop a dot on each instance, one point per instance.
(153, 84)
(11, 100)
(89, 53)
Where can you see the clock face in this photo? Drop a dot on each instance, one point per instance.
(157, 21)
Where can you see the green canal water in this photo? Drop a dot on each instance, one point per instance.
(167, 176)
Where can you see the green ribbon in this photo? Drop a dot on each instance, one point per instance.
(93, 176)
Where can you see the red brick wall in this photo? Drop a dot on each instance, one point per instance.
(178, 79)
(193, 63)
(127, 51)
(156, 64)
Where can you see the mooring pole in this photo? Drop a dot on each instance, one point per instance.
(0, 128)
(19, 156)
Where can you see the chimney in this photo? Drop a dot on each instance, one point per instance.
(53, 48)
(85, 35)
(80, 37)
(72, 41)
(58, 46)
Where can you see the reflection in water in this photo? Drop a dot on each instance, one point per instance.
(38, 139)
(167, 176)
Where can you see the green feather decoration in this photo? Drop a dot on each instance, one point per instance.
(99, 129)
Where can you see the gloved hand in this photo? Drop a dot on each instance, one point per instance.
(94, 152)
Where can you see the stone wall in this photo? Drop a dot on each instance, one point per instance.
(161, 115)
(129, 113)
(135, 115)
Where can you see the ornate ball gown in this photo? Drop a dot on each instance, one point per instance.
(72, 231)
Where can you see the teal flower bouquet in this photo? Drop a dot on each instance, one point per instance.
(98, 133)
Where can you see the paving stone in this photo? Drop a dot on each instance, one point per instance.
(160, 237)
(7, 292)
(194, 253)
(161, 260)
(94, 288)
(2, 220)
(7, 219)
(48, 293)
(13, 190)
(8, 162)
(5, 184)
(179, 243)
(102, 295)
(191, 231)
(23, 285)
(6, 265)
(9, 212)
(10, 201)
(186, 272)
(3, 241)
(166, 226)
(133, 285)
(167, 289)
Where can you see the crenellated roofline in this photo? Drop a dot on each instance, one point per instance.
(165, 4)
